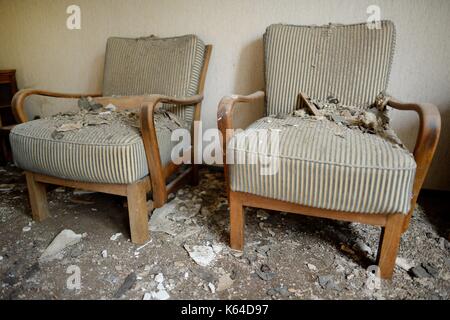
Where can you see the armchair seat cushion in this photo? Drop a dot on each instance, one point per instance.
(109, 151)
(325, 165)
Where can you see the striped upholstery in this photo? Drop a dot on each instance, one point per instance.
(326, 166)
(349, 62)
(151, 65)
(108, 153)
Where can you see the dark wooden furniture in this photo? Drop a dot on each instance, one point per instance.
(8, 88)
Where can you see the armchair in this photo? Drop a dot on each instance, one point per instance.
(141, 75)
(346, 175)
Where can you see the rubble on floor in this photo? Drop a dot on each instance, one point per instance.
(286, 256)
(62, 241)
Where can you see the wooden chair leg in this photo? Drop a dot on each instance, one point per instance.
(137, 212)
(389, 244)
(160, 195)
(37, 194)
(237, 222)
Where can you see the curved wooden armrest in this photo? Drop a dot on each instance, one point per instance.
(427, 139)
(226, 106)
(18, 101)
(155, 99)
(225, 121)
(148, 130)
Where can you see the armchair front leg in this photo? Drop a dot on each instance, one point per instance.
(150, 139)
(426, 143)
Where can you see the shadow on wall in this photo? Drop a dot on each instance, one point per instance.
(250, 68)
(249, 78)
(441, 178)
(95, 78)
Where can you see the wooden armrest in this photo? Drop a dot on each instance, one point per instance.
(18, 101)
(427, 139)
(130, 102)
(226, 106)
(148, 131)
(225, 121)
(153, 100)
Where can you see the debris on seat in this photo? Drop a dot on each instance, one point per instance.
(91, 113)
(372, 120)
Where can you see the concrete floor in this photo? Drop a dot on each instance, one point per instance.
(287, 256)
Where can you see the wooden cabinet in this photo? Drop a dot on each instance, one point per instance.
(8, 87)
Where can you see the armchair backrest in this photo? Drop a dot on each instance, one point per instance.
(152, 65)
(349, 62)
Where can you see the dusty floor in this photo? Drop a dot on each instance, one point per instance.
(286, 256)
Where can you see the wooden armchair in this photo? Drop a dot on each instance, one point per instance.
(139, 73)
(351, 176)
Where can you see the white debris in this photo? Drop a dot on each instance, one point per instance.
(212, 287)
(340, 269)
(105, 253)
(186, 275)
(70, 126)
(403, 263)
(270, 231)
(202, 255)
(225, 282)
(237, 253)
(6, 187)
(26, 228)
(159, 278)
(262, 215)
(143, 246)
(311, 267)
(79, 192)
(147, 296)
(160, 286)
(111, 107)
(63, 240)
(116, 236)
(159, 295)
(188, 231)
(1, 258)
(363, 247)
(160, 222)
(217, 248)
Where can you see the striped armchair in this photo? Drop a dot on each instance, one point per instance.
(324, 168)
(113, 154)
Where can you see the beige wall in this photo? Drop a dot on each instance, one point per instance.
(35, 41)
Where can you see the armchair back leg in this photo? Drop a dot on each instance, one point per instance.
(389, 244)
(38, 198)
(237, 222)
(137, 211)
(194, 175)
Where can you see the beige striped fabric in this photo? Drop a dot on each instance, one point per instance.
(107, 153)
(151, 65)
(324, 165)
(349, 62)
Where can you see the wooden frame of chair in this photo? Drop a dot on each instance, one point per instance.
(393, 225)
(136, 192)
